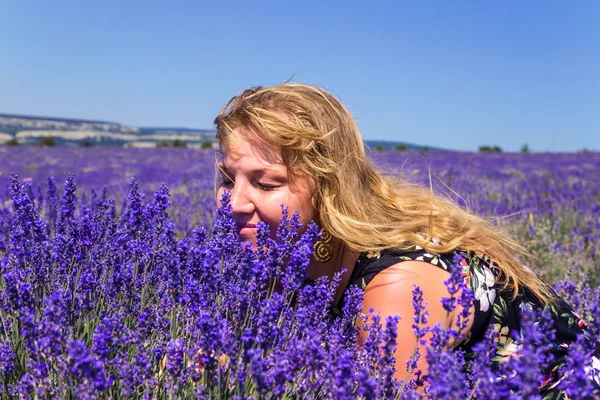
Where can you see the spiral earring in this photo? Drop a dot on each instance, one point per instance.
(323, 248)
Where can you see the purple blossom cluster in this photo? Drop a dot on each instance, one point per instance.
(97, 303)
(189, 173)
(107, 299)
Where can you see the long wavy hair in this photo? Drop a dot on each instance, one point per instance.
(354, 200)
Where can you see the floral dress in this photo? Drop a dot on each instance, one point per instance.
(492, 307)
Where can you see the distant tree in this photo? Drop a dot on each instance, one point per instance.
(12, 142)
(379, 147)
(525, 148)
(162, 143)
(86, 143)
(179, 143)
(207, 144)
(400, 147)
(494, 149)
(585, 150)
(426, 148)
(47, 141)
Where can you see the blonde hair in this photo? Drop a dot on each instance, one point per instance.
(353, 200)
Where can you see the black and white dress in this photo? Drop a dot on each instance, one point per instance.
(492, 307)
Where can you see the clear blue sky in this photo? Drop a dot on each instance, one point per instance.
(453, 74)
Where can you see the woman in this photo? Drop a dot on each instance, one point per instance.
(298, 145)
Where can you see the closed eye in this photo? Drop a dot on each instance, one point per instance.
(224, 178)
(265, 187)
(225, 182)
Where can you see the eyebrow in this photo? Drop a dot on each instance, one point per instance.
(222, 167)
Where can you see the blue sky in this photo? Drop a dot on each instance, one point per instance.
(452, 74)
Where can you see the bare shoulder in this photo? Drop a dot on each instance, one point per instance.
(425, 275)
(390, 291)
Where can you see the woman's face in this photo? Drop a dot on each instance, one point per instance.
(258, 180)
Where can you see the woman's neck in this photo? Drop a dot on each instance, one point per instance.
(342, 258)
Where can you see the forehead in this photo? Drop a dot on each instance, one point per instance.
(246, 148)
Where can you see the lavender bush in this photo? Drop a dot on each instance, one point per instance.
(100, 305)
(107, 299)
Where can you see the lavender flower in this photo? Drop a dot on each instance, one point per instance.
(6, 359)
(68, 204)
(84, 367)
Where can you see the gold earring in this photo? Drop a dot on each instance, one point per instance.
(323, 249)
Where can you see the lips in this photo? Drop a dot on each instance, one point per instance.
(246, 225)
(246, 230)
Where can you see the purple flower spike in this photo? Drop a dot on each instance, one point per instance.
(84, 367)
(6, 359)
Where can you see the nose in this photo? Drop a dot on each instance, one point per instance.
(241, 201)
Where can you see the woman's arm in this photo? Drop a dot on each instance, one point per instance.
(390, 293)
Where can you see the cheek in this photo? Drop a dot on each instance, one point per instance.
(302, 197)
(306, 214)
(302, 206)
(270, 209)
(218, 196)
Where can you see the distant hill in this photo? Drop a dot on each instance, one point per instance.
(67, 131)
(29, 129)
(66, 120)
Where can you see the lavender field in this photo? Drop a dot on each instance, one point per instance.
(116, 287)
(549, 202)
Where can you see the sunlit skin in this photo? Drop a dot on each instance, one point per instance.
(258, 180)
